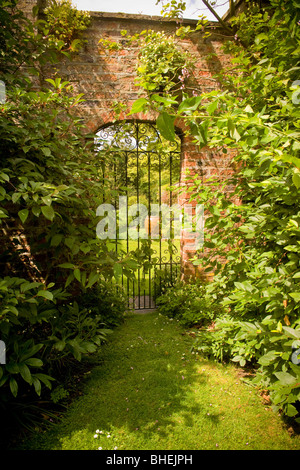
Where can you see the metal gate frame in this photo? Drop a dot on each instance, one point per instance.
(141, 139)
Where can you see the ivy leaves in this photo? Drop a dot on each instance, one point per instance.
(162, 65)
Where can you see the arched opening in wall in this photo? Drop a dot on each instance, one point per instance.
(142, 170)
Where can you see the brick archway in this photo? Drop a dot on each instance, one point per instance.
(107, 77)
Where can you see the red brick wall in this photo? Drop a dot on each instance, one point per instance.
(108, 77)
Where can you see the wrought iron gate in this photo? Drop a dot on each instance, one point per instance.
(144, 173)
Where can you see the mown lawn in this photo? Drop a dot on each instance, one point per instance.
(149, 392)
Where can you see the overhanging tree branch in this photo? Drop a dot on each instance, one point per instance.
(225, 26)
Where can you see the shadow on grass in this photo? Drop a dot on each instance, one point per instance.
(141, 391)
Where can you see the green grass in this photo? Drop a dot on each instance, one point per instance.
(149, 392)
(144, 280)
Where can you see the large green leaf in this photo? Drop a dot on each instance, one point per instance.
(77, 274)
(34, 362)
(25, 373)
(285, 378)
(46, 294)
(23, 214)
(268, 358)
(296, 179)
(13, 386)
(48, 212)
(165, 124)
(138, 105)
(295, 296)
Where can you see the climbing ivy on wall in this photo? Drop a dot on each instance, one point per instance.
(64, 24)
(162, 65)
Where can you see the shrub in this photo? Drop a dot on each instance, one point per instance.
(42, 332)
(108, 302)
(49, 192)
(64, 24)
(268, 346)
(216, 339)
(163, 67)
(186, 303)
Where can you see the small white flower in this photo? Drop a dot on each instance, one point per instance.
(95, 435)
(108, 435)
(99, 448)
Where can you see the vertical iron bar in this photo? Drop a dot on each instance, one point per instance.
(160, 215)
(116, 239)
(149, 228)
(137, 200)
(171, 219)
(115, 178)
(127, 235)
(144, 283)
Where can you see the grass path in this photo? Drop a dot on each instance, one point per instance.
(150, 393)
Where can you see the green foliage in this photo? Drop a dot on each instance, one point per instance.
(259, 271)
(75, 331)
(266, 345)
(42, 331)
(106, 301)
(24, 306)
(39, 42)
(186, 303)
(49, 191)
(162, 66)
(252, 219)
(59, 394)
(164, 279)
(173, 9)
(64, 24)
(216, 340)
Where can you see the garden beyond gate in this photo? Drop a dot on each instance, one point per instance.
(144, 180)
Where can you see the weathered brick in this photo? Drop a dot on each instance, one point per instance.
(106, 76)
